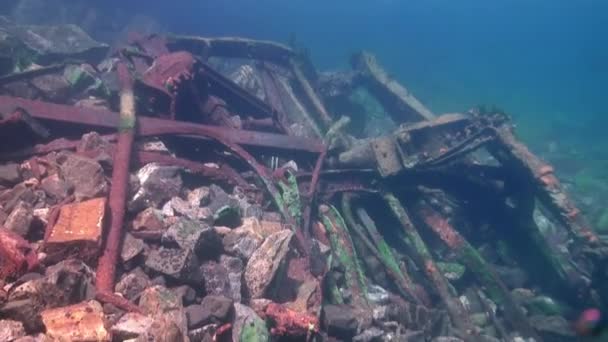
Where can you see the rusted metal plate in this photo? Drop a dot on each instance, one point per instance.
(387, 156)
(80, 322)
(78, 227)
(152, 126)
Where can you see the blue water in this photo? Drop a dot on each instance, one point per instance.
(544, 62)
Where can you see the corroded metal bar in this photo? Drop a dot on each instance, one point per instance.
(153, 126)
(106, 268)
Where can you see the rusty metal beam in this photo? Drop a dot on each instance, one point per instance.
(153, 126)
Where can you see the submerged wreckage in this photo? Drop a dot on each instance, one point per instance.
(196, 189)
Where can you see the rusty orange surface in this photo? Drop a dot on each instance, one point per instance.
(79, 222)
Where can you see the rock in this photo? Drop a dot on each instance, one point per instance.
(212, 310)
(20, 219)
(248, 326)
(157, 185)
(132, 325)
(96, 147)
(131, 248)
(199, 197)
(9, 174)
(20, 192)
(133, 283)
(11, 330)
(225, 209)
(216, 279)
(3, 216)
(85, 175)
(79, 322)
(265, 262)
(93, 103)
(54, 87)
(552, 328)
(377, 295)
(241, 243)
(74, 278)
(177, 206)
(194, 235)
(170, 323)
(543, 305)
(83, 78)
(55, 187)
(149, 220)
(78, 227)
(187, 293)
(177, 263)
(451, 270)
(235, 269)
(446, 339)
(340, 321)
(372, 334)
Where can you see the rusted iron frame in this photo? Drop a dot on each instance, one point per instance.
(310, 197)
(270, 88)
(154, 127)
(107, 264)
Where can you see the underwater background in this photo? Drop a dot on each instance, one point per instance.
(543, 62)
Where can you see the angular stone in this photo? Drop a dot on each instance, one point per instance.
(20, 192)
(199, 197)
(212, 310)
(187, 293)
(157, 184)
(55, 187)
(93, 103)
(241, 243)
(248, 326)
(131, 248)
(11, 330)
(96, 147)
(131, 325)
(195, 235)
(180, 264)
(149, 220)
(53, 87)
(225, 209)
(340, 321)
(9, 174)
(20, 219)
(133, 283)
(178, 207)
(235, 268)
(369, 335)
(79, 322)
(74, 278)
(170, 323)
(3, 216)
(216, 279)
(265, 262)
(85, 175)
(79, 228)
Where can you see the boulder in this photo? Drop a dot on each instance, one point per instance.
(157, 184)
(85, 175)
(20, 219)
(212, 310)
(265, 262)
(133, 283)
(248, 326)
(234, 267)
(216, 279)
(340, 321)
(176, 263)
(149, 220)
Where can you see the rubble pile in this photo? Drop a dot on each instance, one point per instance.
(177, 188)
